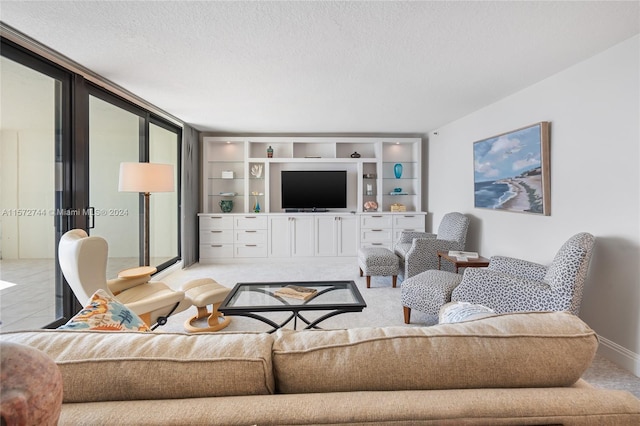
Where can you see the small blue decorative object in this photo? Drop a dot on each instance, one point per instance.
(397, 189)
(397, 170)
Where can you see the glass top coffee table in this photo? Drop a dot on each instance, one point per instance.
(338, 297)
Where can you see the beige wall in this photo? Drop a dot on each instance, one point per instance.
(594, 110)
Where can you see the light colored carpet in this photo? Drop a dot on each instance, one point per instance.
(383, 305)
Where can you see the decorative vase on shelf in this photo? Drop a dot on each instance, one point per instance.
(397, 170)
(269, 152)
(226, 206)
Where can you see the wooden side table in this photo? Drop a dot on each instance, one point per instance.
(138, 272)
(477, 262)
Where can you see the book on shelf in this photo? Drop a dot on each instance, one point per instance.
(463, 255)
(296, 292)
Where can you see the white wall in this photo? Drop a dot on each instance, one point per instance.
(594, 110)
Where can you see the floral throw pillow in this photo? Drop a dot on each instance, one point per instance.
(106, 313)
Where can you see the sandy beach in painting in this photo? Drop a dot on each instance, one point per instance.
(520, 200)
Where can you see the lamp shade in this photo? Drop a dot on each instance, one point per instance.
(145, 177)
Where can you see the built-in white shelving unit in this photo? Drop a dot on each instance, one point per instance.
(228, 163)
(238, 169)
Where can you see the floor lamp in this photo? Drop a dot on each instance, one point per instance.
(146, 178)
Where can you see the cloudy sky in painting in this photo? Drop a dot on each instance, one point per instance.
(507, 155)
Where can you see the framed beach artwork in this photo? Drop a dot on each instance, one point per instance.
(511, 171)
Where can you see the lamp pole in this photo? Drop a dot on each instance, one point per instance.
(146, 231)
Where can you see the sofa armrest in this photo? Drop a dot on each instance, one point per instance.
(518, 267)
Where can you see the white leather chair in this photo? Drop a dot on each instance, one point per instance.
(83, 260)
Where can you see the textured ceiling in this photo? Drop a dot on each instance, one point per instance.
(325, 66)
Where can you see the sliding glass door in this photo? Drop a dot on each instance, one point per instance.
(114, 137)
(120, 132)
(62, 140)
(33, 138)
(164, 145)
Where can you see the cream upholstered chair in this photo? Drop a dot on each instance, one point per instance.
(417, 251)
(83, 260)
(512, 285)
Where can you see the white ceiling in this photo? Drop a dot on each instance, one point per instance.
(324, 66)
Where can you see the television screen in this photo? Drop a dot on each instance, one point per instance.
(314, 189)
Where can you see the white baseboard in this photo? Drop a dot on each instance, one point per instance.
(620, 355)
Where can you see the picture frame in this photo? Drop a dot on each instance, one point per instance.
(511, 171)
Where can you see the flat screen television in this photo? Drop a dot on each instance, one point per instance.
(313, 190)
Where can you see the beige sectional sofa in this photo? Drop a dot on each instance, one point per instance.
(507, 369)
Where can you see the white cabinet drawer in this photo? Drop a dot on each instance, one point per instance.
(251, 222)
(376, 221)
(216, 251)
(217, 236)
(251, 237)
(216, 222)
(250, 250)
(376, 235)
(409, 222)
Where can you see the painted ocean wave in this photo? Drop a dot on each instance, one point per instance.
(492, 194)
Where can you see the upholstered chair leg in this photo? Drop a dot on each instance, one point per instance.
(407, 314)
(368, 281)
(394, 280)
(360, 271)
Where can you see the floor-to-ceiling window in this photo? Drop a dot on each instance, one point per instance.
(62, 140)
(34, 137)
(114, 137)
(164, 148)
(120, 132)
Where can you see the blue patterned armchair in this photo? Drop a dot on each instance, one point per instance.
(418, 250)
(513, 285)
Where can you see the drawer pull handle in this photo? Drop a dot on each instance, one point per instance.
(215, 217)
(216, 245)
(249, 217)
(408, 230)
(251, 245)
(409, 216)
(376, 244)
(216, 232)
(376, 215)
(376, 230)
(249, 232)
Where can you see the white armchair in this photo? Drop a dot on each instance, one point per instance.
(83, 260)
(418, 250)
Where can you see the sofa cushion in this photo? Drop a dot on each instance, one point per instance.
(104, 366)
(539, 349)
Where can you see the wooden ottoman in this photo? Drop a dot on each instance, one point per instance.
(378, 261)
(203, 292)
(428, 291)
